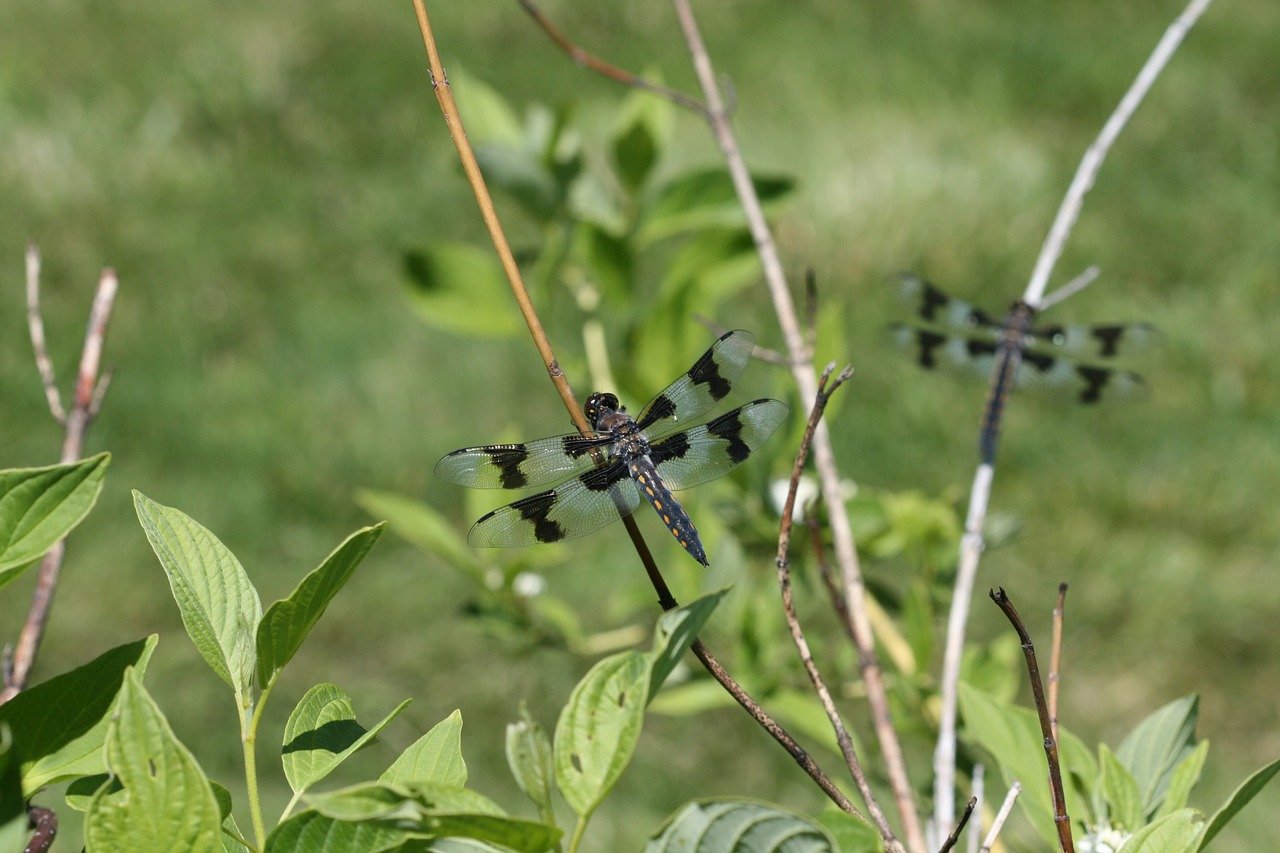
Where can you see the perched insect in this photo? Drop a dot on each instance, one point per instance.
(601, 476)
(951, 335)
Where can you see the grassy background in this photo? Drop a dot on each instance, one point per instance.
(254, 172)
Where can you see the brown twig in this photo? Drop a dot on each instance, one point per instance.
(843, 739)
(950, 843)
(1060, 819)
(45, 823)
(824, 455)
(89, 392)
(613, 72)
(1055, 658)
(453, 120)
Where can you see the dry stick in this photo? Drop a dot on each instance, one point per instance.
(824, 457)
(613, 72)
(998, 824)
(1061, 821)
(1055, 658)
(453, 120)
(1071, 288)
(89, 391)
(793, 623)
(971, 545)
(950, 843)
(979, 794)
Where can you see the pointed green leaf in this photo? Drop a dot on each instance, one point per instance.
(1157, 744)
(676, 631)
(1174, 833)
(425, 528)
(635, 151)
(1120, 790)
(434, 757)
(1183, 779)
(168, 803)
(322, 732)
(524, 176)
(1012, 736)
(39, 506)
(1239, 798)
(487, 114)
(61, 724)
(741, 826)
(287, 622)
(529, 757)
(370, 801)
(704, 199)
(219, 606)
(312, 832)
(599, 727)
(13, 812)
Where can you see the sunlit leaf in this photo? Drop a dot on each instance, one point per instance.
(704, 199)
(39, 506)
(1157, 744)
(312, 832)
(529, 757)
(1120, 790)
(599, 727)
(1183, 779)
(169, 803)
(1239, 798)
(322, 732)
(677, 629)
(434, 757)
(1173, 833)
(60, 725)
(288, 621)
(217, 601)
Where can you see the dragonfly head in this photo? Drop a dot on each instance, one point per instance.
(598, 405)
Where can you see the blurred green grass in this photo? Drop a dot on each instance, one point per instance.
(254, 173)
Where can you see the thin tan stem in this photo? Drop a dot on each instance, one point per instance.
(783, 562)
(1055, 658)
(35, 324)
(824, 456)
(1001, 816)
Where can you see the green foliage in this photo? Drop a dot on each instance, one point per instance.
(1137, 794)
(13, 813)
(704, 827)
(39, 506)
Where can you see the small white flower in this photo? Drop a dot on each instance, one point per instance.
(529, 584)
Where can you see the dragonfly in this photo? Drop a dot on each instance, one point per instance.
(950, 335)
(601, 476)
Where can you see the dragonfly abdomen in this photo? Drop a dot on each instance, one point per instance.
(673, 515)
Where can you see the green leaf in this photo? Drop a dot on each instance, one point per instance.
(1157, 744)
(461, 289)
(322, 732)
(39, 506)
(529, 757)
(13, 812)
(599, 727)
(739, 826)
(425, 528)
(370, 801)
(1183, 779)
(312, 832)
(677, 629)
(1239, 798)
(487, 114)
(635, 150)
(434, 757)
(918, 624)
(168, 803)
(851, 834)
(60, 725)
(287, 622)
(521, 174)
(704, 199)
(523, 836)
(611, 263)
(1174, 833)
(1012, 736)
(1120, 790)
(219, 606)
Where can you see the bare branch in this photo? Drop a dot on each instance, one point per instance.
(1091, 163)
(824, 456)
(1001, 816)
(613, 72)
(35, 323)
(1055, 658)
(1071, 288)
(950, 843)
